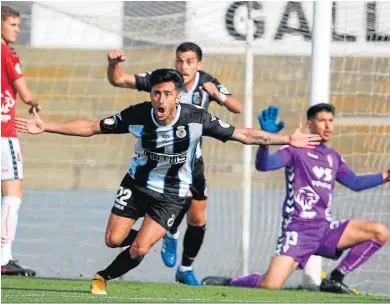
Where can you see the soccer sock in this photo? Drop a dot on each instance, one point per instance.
(121, 265)
(129, 238)
(10, 206)
(253, 280)
(356, 256)
(180, 216)
(193, 240)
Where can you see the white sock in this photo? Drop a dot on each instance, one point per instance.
(9, 219)
(175, 236)
(185, 268)
(6, 253)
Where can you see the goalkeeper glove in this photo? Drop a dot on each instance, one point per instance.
(267, 120)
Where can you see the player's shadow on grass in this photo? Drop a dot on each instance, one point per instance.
(43, 289)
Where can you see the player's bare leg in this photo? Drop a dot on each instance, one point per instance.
(149, 234)
(364, 238)
(193, 240)
(12, 193)
(117, 230)
(280, 269)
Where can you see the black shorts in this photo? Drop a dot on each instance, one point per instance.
(133, 203)
(198, 187)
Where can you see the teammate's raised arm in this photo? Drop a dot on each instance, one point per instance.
(115, 75)
(220, 94)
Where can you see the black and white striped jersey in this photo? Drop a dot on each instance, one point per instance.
(164, 155)
(194, 96)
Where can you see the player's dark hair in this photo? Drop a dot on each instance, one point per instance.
(190, 46)
(167, 75)
(7, 11)
(321, 107)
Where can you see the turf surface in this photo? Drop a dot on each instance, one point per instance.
(33, 290)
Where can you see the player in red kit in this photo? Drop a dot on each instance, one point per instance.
(12, 84)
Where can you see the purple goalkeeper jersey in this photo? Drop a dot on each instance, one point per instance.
(311, 175)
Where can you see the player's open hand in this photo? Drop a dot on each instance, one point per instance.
(303, 140)
(31, 126)
(211, 89)
(115, 56)
(267, 120)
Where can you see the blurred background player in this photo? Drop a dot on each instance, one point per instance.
(12, 84)
(199, 89)
(158, 180)
(307, 226)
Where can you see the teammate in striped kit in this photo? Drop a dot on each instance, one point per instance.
(308, 227)
(12, 84)
(199, 89)
(160, 173)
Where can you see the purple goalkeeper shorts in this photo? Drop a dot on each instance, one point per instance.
(300, 240)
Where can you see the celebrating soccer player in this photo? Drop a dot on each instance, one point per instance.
(12, 84)
(308, 227)
(158, 180)
(199, 89)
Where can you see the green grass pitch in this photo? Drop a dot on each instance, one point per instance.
(35, 290)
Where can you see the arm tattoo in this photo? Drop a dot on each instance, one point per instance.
(258, 137)
(261, 140)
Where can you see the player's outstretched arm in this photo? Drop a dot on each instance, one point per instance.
(259, 137)
(115, 75)
(83, 128)
(351, 180)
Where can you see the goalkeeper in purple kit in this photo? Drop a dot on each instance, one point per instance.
(308, 227)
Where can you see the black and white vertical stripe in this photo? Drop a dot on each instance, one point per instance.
(162, 143)
(14, 160)
(289, 207)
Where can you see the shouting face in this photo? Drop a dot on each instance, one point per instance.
(164, 97)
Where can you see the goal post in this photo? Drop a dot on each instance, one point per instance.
(319, 93)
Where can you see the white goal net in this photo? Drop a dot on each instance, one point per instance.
(71, 182)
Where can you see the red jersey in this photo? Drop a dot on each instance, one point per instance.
(10, 71)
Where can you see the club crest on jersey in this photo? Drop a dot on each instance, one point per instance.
(307, 198)
(196, 98)
(330, 161)
(181, 132)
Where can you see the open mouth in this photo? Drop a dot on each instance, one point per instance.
(160, 111)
